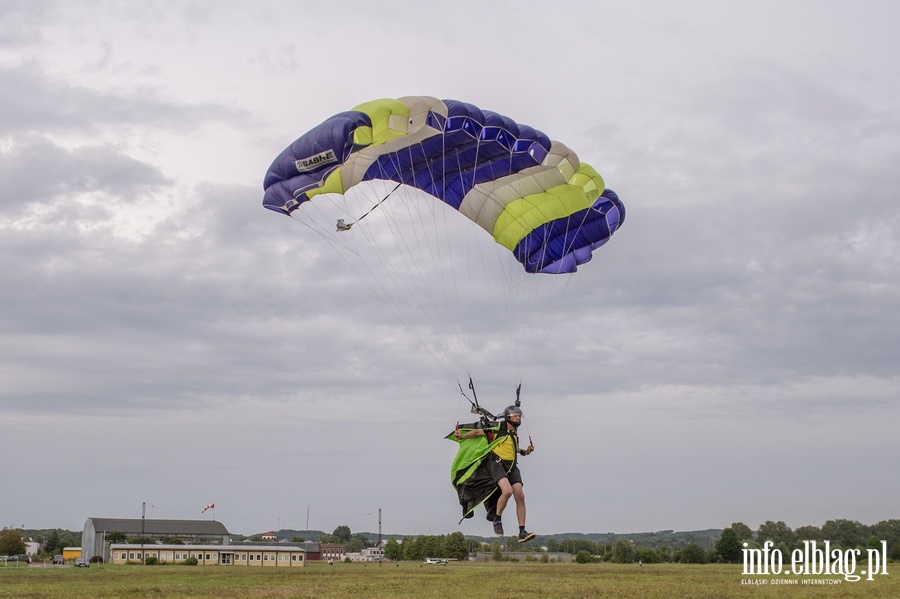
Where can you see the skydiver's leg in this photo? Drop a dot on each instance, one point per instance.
(506, 491)
(519, 493)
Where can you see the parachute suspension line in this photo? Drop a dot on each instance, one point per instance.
(432, 258)
(344, 226)
(567, 283)
(362, 252)
(422, 244)
(540, 298)
(465, 323)
(409, 274)
(428, 265)
(311, 225)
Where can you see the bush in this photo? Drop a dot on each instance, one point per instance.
(151, 561)
(584, 557)
(191, 561)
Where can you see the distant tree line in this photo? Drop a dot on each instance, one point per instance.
(665, 546)
(727, 547)
(844, 534)
(453, 546)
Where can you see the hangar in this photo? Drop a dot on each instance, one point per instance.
(194, 532)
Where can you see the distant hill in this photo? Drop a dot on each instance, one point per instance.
(663, 538)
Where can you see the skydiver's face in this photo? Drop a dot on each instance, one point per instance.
(515, 419)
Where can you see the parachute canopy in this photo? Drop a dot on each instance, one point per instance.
(533, 195)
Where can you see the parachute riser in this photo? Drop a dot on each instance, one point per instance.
(476, 409)
(342, 226)
(484, 413)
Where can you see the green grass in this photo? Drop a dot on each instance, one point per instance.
(416, 580)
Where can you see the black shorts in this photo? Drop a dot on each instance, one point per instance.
(503, 469)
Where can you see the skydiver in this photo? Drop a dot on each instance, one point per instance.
(502, 463)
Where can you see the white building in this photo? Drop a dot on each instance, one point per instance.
(275, 556)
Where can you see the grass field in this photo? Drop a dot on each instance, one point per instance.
(415, 580)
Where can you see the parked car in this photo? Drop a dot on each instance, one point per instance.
(19, 558)
(58, 559)
(82, 563)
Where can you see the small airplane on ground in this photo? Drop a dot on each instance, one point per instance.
(440, 561)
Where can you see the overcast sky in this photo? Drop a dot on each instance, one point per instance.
(731, 355)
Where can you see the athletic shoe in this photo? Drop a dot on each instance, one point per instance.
(526, 536)
(498, 528)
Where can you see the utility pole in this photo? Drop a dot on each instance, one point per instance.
(143, 516)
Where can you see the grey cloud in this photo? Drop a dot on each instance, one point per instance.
(21, 23)
(34, 169)
(30, 101)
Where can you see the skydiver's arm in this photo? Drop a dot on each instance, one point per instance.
(475, 432)
(529, 449)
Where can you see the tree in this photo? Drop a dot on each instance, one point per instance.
(52, 544)
(622, 551)
(393, 550)
(115, 537)
(142, 541)
(573, 546)
(742, 531)
(11, 542)
(552, 545)
(692, 554)
(498, 553)
(583, 557)
(777, 532)
(173, 541)
(807, 533)
(66, 539)
(889, 530)
(343, 533)
(846, 533)
(729, 546)
(430, 546)
(354, 545)
(413, 549)
(455, 545)
(647, 555)
(666, 554)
